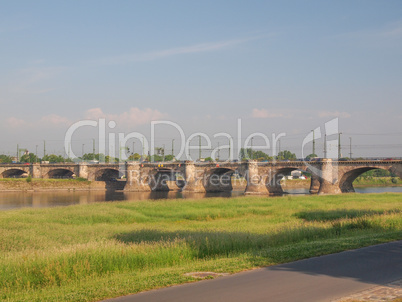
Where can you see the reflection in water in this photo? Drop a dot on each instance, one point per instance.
(297, 191)
(12, 200)
(378, 189)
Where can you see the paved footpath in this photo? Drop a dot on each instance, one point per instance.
(325, 278)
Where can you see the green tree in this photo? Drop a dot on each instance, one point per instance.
(248, 153)
(5, 159)
(100, 157)
(90, 156)
(377, 173)
(110, 159)
(261, 156)
(310, 156)
(135, 157)
(52, 158)
(209, 159)
(155, 157)
(286, 155)
(169, 157)
(29, 158)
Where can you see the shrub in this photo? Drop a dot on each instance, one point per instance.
(29, 179)
(81, 179)
(394, 180)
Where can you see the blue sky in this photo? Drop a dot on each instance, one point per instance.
(280, 66)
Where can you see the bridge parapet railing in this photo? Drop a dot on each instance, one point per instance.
(365, 162)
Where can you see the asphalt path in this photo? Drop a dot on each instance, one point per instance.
(324, 278)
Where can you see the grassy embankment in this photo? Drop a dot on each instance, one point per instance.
(90, 252)
(39, 184)
(377, 182)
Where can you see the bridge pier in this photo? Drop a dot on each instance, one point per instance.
(255, 182)
(194, 179)
(274, 185)
(35, 171)
(137, 178)
(315, 184)
(347, 187)
(83, 172)
(329, 182)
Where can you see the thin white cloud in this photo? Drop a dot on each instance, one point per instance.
(32, 80)
(264, 113)
(36, 74)
(331, 114)
(154, 55)
(295, 112)
(389, 31)
(133, 117)
(396, 31)
(55, 120)
(51, 120)
(14, 122)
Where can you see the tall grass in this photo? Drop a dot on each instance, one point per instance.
(89, 252)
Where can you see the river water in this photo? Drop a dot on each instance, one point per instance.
(14, 200)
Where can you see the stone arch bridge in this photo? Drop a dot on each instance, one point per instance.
(328, 177)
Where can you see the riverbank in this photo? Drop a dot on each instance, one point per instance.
(101, 250)
(39, 184)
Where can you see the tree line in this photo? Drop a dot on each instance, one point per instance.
(245, 154)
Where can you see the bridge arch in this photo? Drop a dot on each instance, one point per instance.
(346, 182)
(60, 173)
(14, 173)
(218, 180)
(165, 179)
(106, 174)
(273, 181)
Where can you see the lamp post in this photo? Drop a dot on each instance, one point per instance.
(251, 149)
(339, 145)
(279, 146)
(350, 147)
(83, 151)
(199, 147)
(230, 146)
(313, 142)
(143, 144)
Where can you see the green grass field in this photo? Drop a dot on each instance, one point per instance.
(91, 252)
